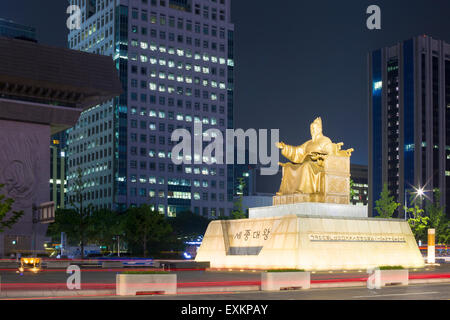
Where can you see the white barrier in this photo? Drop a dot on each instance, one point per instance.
(131, 284)
(274, 281)
(392, 277)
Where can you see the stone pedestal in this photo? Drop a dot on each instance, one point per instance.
(310, 209)
(310, 243)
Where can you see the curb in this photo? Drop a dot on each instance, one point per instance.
(190, 289)
(55, 293)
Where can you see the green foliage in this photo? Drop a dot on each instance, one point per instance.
(386, 205)
(286, 270)
(145, 227)
(238, 212)
(189, 225)
(438, 219)
(7, 218)
(104, 225)
(352, 189)
(419, 223)
(145, 272)
(66, 220)
(391, 268)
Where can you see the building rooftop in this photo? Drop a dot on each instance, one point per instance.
(45, 79)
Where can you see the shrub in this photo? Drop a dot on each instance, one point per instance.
(286, 270)
(145, 272)
(391, 268)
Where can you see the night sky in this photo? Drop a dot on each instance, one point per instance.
(295, 60)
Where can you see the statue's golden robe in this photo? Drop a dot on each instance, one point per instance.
(302, 175)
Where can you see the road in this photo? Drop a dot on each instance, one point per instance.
(439, 291)
(105, 276)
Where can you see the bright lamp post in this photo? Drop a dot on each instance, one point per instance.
(420, 192)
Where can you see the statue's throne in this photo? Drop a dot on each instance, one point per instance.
(334, 181)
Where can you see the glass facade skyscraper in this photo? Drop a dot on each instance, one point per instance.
(175, 61)
(409, 119)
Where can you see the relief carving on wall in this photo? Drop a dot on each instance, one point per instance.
(19, 165)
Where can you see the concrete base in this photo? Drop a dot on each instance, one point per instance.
(275, 281)
(309, 209)
(309, 243)
(130, 284)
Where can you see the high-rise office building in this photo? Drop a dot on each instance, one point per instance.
(358, 174)
(58, 167)
(409, 119)
(11, 29)
(175, 60)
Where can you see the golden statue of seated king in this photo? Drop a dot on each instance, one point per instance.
(319, 171)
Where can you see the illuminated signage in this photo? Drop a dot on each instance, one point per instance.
(332, 237)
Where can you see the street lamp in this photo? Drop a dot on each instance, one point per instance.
(420, 192)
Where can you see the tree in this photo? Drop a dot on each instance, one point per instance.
(386, 205)
(83, 212)
(145, 226)
(5, 211)
(419, 223)
(438, 220)
(66, 220)
(352, 189)
(238, 212)
(189, 225)
(104, 225)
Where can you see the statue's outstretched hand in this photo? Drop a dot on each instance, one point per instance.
(280, 145)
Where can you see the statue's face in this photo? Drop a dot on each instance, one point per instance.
(315, 129)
